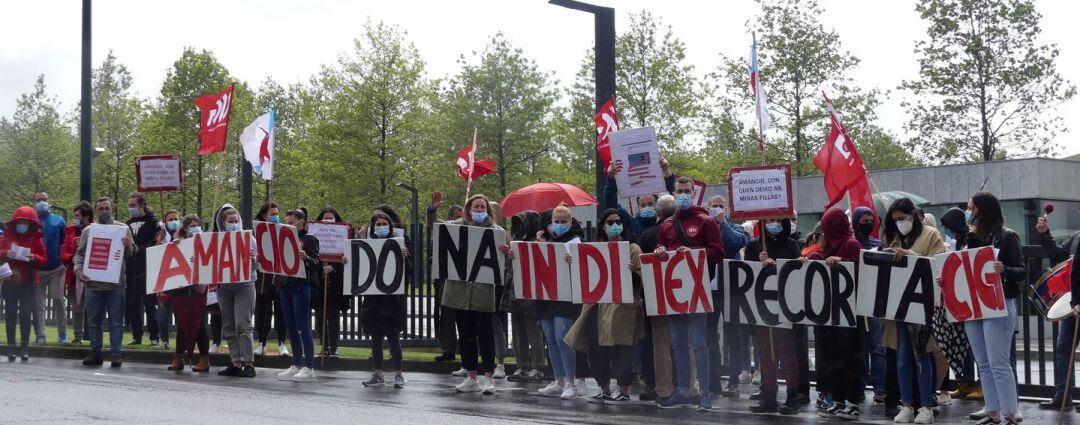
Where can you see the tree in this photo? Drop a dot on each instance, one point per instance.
(37, 152)
(117, 114)
(987, 89)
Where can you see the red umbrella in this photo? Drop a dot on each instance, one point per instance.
(544, 196)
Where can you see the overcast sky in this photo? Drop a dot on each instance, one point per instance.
(290, 40)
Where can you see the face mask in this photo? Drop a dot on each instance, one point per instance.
(194, 229)
(42, 207)
(560, 229)
(479, 217)
(233, 227)
(104, 217)
(135, 212)
(614, 230)
(275, 219)
(969, 216)
(716, 211)
(22, 228)
(865, 228)
(904, 226)
(328, 220)
(685, 200)
(774, 228)
(382, 231)
(647, 212)
(172, 225)
(76, 222)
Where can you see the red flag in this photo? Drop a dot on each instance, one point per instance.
(480, 167)
(215, 120)
(839, 161)
(607, 121)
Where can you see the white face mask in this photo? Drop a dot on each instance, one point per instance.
(904, 226)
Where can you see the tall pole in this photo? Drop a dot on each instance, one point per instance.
(85, 142)
(245, 195)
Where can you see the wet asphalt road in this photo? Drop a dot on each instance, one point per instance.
(63, 391)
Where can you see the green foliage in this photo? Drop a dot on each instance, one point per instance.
(37, 152)
(117, 115)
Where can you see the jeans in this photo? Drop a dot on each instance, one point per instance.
(563, 359)
(737, 341)
(237, 302)
(874, 349)
(528, 340)
(689, 330)
(53, 282)
(1062, 351)
(98, 303)
(18, 305)
(991, 342)
(712, 338)
(296, 307)
(164, 320)
(498, 330)
(906, 367)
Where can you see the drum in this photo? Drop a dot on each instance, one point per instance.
(1052, 293)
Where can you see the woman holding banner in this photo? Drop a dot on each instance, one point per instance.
(237, 300)
(383, 316)
(777, 345)
(608, 332)
(188, 304)
(904, 234)
(295, 294)
(992, 339)
(475, 308)
(267, 303)
(336, 301)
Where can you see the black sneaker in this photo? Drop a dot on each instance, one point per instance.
(11, 357)
(832, 410)
(765, 406)
(617, 397)
(851, 412)
(25, 355)
(445, 357)
(597, 398)
(648, 395)
(247, 372)
(755, 396)
(802, 398)
(729, 392)
(117, 360)
(230, 371)
(790, 407)
(91, 359)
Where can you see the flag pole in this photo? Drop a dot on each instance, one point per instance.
(472, 162)
(761, 148)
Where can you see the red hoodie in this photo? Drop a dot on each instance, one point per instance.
(67, 254)
(836, 231)
(700, 229)
(25, 273)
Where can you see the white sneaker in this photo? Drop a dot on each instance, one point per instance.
(756, 380)
(500, 371)
(581, 387)
(259, 350)
(906, 415)
(744, 377)
(214, 349)
(470, 385)
(569, 392)
(283, 351)
(551, 390)
(944, 398)
(460, 372)
(304, 375)
(288, 373)
(925, 416)
(488, 386)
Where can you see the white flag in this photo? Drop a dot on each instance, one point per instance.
(258, 142)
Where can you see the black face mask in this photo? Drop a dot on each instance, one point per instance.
(865, 228)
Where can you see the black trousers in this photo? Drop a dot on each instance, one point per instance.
(475, 332)
(267, 306)
(141, 307)
(215, 323)
(645, 353)
(445, 329)
(394, 341)
(843, 350)
(334, 299)
(18, 305)
(712, 338)
(802, 353)
(606, 361)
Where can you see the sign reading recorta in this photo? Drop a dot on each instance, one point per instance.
(789, 292)
(467, 253)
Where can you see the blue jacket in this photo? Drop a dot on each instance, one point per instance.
(638, 224)
(735, 238)
(53, 227)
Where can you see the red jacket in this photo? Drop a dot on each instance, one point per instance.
(25, 272)
(700, 229)
(67, 253)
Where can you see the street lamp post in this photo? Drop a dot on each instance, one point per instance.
(604, 71)
(418, 266)
(86, 145)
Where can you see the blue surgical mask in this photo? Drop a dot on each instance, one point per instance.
(774, 228)
(614, 230)
(42, 207)
(172, 225)
(647, 212)
(76, 222)
(134, 212)
(560, 229)
(22, 228)
(382, 231)
(969, 216)
(275, 219)
(194, 229)
(685, 200)
(104, 217)
(233, 227)
(479, 216)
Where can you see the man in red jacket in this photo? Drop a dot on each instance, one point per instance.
(23, 249)
(690, 228)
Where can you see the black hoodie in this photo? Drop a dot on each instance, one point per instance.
(145, 229)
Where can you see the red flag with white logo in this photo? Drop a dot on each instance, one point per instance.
(838, 160)
(480, 167)
(215, 120)
(607, 122)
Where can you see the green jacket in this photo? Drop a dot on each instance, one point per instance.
(468, 295)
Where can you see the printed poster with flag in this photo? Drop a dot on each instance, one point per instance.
(214, 124)
(258, 142)
(637, 160)
(607, 122)
(760, 107)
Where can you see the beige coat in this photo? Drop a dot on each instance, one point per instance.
(617, 324)
(928, 244)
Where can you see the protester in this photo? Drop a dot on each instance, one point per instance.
(82, 216)
(23, 233)
(954, 342)
(474, 304)
(188, 304)
(295, 294)
(328, 315)
(874, 352)
(501, 322)
(662, 386)
(51, 276)
(237, 300)
(992, 339)
(528, 339)
(841, 346)
(267, 302)
(445, 329)
(736, 335)
(690, 227)
(148, 232)
(906, 235)
(383, 316)
(105, 297)
(1062, 347)
(777, 345)
(164, 308)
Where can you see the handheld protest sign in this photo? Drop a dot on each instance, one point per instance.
(104, 257)
(222, 257)
(168, 266)
(971, 290)
(279, 249)
(902, 291)
(375, 267)
(636, 155)
(159, 173)
(677, 285)
(467, 253)
(788, 292)
(332, 237)
(600, 273)
(540, 271)
(762, 192)
(750, 293)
